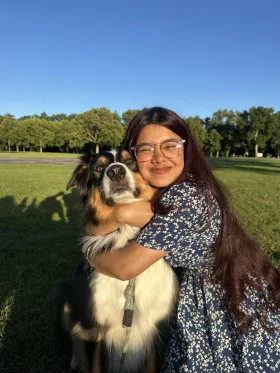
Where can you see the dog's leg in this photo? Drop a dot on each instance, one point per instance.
(74, 364)
(96, 359)
(79, 357)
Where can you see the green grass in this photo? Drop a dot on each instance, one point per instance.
(39, 232)
(37, 155)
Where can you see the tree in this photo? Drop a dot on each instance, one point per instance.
(128, 115)
(7, 131)
(213, 143)
(259, 126)
(243, 119)
(224, 121)
(102, 127)
(275, 134)
(196, 126)
(36, 134)
(69, 134)
(57, 117)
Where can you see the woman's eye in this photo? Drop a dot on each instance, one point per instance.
(145, 150)
(99, 168)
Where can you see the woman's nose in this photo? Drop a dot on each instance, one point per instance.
(158, 156)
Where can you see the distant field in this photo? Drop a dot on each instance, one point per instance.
(39, 232)
(37, 155)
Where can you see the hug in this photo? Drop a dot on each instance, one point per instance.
(171, 281)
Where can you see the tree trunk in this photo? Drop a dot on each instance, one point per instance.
(256, 150)
(211, 154)
(41, 149)
(9, 146)
(17, 148)
(227, 153)
(96, 148)
(23, 149)
(217, 154)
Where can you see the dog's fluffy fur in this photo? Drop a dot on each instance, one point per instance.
(92, 304)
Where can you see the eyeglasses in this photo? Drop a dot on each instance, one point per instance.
(170, 149)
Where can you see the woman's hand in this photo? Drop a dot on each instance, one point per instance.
(136, 214)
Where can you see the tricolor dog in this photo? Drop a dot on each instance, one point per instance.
(92, 307)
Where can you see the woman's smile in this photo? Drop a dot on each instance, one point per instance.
(160, 170)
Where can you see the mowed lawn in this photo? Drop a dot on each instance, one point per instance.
(39, 231)
(37, 155)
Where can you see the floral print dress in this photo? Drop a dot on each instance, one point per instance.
(204, 337)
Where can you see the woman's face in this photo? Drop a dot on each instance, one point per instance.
(160, 171)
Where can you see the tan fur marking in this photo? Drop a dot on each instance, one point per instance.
(86, 334)
(66, 318)
(84, 166)
(103, 212)
(67, 308)
(103, 159)
(147, 191)
(125, 154)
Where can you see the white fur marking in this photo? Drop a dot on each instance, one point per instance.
(106, 184)
(114, 152)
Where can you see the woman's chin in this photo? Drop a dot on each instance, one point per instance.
(160, 183)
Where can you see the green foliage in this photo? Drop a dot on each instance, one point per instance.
(259, 126)
(196, 126)
(8, 131)
(128, 115)
(212, 142)
(102, 127)
(226, 133)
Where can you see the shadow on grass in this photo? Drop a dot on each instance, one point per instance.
(38, 247)
(247, 165)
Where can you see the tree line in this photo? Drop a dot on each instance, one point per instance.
(226, 133)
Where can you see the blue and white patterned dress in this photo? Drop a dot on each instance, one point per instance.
(204, 337)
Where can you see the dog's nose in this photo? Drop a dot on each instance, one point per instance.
(116, 172)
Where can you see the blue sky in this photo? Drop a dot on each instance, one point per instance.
(191, 56)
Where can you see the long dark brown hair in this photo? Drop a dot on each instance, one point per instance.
(239, 261)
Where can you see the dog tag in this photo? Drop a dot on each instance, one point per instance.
(127, 318)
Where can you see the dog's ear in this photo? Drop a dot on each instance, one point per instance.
(79, 177)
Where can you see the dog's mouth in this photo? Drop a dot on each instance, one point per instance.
(119, 184)
(120, 188)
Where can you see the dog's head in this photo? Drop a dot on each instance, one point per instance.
(108, 178)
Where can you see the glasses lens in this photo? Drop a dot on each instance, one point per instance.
(171, 148)
(144, 152)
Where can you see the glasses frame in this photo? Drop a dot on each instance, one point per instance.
(134, 148)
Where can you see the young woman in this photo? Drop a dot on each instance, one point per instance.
(228, 317)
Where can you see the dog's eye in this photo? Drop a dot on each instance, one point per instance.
(99, 168)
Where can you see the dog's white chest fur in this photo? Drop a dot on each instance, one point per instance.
(158, 283)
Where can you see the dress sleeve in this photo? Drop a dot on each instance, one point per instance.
(188, 232)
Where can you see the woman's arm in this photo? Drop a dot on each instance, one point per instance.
(127, 262)
(136, 214)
